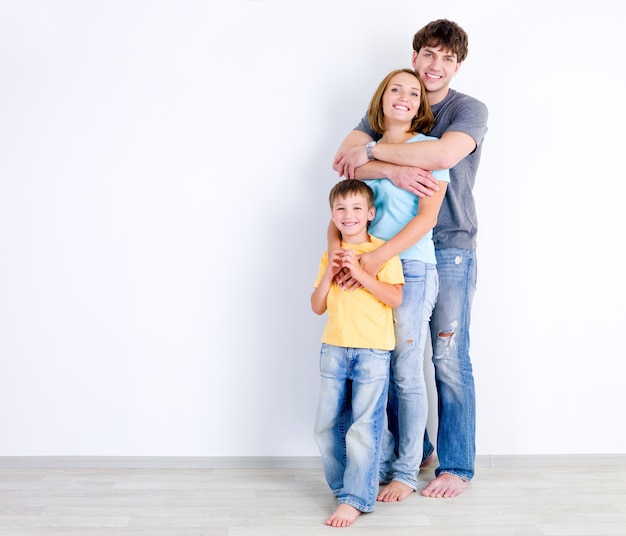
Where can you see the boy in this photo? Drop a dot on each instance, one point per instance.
(355, 354)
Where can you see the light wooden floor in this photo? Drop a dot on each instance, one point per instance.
(521, 496)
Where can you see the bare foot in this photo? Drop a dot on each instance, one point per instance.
(394, 491)
(344, 516)
(445, 486)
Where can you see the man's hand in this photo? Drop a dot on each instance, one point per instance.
(346, 163)
(418, 181)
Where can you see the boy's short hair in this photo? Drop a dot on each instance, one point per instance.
(348, 187)
(443, 33)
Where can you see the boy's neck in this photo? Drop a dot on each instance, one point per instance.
(357, 239)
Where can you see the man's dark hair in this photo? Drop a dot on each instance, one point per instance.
(442, 33)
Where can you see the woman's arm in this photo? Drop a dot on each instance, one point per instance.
(410, 234)
(441, 153)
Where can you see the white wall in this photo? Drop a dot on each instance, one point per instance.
(164, 169)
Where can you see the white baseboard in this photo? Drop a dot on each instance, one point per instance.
(270, 462)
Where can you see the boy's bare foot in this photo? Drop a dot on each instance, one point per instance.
(445, 486)
(394, 491)
(344, 516)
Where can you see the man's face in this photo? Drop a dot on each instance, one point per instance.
(436, 67)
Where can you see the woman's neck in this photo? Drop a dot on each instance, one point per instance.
(397, 134)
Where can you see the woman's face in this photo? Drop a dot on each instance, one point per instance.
(401, 99)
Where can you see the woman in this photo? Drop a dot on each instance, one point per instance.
(399, 110)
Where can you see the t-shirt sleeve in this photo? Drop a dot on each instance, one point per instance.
(442, 175)
(321, 269)
(391, 272)
(470, 117)
(364, 126)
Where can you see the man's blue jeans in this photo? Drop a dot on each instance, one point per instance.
(408, 401)
(350, 421)
(449, 327)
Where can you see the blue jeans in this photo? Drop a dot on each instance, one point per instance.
(407, 409)
(351, 420)
(456, 435)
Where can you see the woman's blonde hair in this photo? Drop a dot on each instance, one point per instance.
(424, 120)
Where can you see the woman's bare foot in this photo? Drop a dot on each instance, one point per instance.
(394, 491)
(445, 486)
(344, 516)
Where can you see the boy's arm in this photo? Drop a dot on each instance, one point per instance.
(320, 293)
(417, 180)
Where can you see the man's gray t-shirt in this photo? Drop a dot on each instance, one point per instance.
(457, 224)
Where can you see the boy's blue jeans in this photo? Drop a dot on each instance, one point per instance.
(351, 420)
(408, 402)
(456, 435)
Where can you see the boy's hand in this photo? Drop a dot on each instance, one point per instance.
(335, 264)
(347, 278)
(350, 262)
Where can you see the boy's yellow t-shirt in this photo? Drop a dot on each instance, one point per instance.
(356, 319)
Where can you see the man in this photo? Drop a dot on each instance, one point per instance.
(439, 49)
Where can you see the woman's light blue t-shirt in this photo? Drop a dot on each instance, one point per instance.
(396, 207)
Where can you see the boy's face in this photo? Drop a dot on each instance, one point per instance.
(436, 67)
(351, 215)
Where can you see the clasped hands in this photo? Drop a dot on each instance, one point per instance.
(350, 266)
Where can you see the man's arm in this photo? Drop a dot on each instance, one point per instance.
(416, 180)
(404, 163)
(443, 153)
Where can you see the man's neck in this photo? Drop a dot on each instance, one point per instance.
(435, 97)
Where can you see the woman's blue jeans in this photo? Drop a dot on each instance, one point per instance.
(456, 434)
(407, 409)
(350, 421)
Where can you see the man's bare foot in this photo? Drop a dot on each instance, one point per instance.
(394, 491)
(445, 486)
(344, 516)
